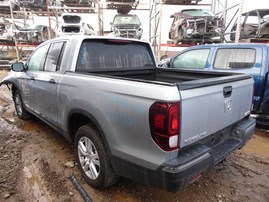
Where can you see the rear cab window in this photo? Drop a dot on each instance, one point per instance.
(235, 58)
(118, 54)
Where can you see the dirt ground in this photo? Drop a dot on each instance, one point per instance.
(36, 164)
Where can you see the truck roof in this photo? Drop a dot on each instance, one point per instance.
(227, 45)
(82, 37)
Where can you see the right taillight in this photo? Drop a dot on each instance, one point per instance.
(164, 124)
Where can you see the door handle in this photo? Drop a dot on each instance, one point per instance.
(51, 81)
(227, 91)
(32, 78)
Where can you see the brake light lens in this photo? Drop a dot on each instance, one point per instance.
(164, 125)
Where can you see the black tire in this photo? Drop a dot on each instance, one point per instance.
(21, 112)
(98, 176)
(124, 9)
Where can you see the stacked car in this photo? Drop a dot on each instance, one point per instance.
(73, 24)
(196, 26)
(6, 4)
(35, 33)
(255, 24)
(7, 31)
(127, 26)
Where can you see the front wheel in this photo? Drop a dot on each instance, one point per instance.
(22, 113)
(93, 160)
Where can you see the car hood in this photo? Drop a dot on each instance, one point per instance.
(204, 17)
(126, 26)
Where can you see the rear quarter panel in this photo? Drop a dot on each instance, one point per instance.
(121, 108)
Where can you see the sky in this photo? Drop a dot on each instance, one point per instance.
(143, 13)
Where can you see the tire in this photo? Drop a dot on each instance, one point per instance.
(124, 9)
(96, 169)
(21, 112)
(180, 34)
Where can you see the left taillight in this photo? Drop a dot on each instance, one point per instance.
(164, 124)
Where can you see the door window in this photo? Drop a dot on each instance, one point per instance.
(53, 61)
(232, 58)
(37, 60)
(194, 59)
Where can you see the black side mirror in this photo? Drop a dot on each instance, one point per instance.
(18, 67)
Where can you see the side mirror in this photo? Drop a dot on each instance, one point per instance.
(17, 67)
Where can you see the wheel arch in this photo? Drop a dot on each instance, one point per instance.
(80, 117)
(13, 84)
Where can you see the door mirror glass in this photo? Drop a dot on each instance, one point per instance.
(17, 67)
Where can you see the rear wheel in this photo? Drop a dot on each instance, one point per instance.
(22, 113)
(93, 160)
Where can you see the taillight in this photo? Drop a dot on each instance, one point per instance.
(164, 125)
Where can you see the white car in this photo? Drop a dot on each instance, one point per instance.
(7, 31)
(73, 24)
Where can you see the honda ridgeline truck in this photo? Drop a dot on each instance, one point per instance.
(126, 117)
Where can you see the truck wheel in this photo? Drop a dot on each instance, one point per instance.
(22, 113)
(93, 160)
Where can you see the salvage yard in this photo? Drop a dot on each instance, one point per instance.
(36, 164)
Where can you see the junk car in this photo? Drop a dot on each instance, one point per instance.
(127, 26)
(255, 24)
(196, 26)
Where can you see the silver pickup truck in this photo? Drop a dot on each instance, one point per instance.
(126, 117)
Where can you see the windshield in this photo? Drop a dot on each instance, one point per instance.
(126, 19)
(198, 12)
(102, 55)
(32, 27)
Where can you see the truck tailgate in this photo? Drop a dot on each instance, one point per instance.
(208, 109)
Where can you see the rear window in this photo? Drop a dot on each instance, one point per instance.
(231, 58)
(71, 19)
(71, 29)
(113, 54)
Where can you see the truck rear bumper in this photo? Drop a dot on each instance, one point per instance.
(197, 160)
(191, 163)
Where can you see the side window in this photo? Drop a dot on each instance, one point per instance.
(194, 59)
(53, 60)
(37, 60)
(235, 58)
